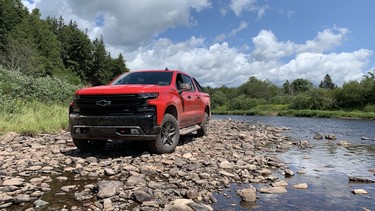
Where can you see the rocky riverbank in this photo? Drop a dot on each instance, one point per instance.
(48, 172)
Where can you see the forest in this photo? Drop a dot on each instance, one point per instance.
(43, 61)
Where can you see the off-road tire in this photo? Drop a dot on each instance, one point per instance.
(168, 138)
(89, 145)
(204, 126)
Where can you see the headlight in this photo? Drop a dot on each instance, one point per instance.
(148, 95)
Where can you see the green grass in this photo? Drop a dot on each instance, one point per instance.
(282, 110)
(34, 117)
(328, 114)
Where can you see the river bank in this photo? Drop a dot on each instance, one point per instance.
(301, 113)
(48, 171)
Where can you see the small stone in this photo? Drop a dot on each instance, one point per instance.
(6, 205)
(226, 165)
(109, 172)
(141, 196)
(13, 182)
(191, 194)
(343, 143)
(289, 172)
(330, 137)
(318, 136)
(62, 179)
(22, 198)
(107, 204)
(273, 190)
(68, 188)
(359, 191)
(300, 186)
(187, 155)
(281, 183)
(40, 203)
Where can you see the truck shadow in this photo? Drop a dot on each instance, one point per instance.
(118, 148)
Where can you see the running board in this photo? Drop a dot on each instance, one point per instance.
(190, 129)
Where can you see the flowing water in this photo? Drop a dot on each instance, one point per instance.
(326, 166)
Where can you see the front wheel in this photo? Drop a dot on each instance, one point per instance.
(168, 137)
(204, 125)
(89, 145)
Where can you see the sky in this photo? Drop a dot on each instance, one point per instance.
(224, 42)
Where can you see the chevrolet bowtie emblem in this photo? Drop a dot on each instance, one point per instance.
(103, 103)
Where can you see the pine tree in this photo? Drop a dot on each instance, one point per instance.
(327, 83)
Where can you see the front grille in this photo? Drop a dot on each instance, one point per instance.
(112, 105)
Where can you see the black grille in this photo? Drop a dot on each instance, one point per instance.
(112, 105)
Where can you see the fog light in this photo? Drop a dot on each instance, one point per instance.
(134, 131)
(77, 130)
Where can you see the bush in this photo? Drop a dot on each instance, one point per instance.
(369, 108)
(14, 85)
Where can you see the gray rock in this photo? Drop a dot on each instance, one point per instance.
(361, 179)
(191, 194)
(199, 207)
(141, 196)
(318, 136)
(330, 137)
(273, 190)
(289, 172)
(300, 186)
(40, 203)
(13, 182)
(21, 198)
(6, 205)
(108, 189)
(107, 204)
(248, 194)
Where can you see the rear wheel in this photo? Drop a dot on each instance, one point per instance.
(204, 125)
(168, 137)
(89, 145)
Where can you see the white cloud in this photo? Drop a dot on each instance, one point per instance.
(219, 64)
(326, 40)
(126, 22)
(130, 27)
(243, 25)
(239, 6)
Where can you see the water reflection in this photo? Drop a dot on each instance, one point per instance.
(326, 166)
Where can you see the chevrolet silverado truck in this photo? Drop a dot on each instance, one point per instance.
(156, 106)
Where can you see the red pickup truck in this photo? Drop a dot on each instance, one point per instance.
(156, 106)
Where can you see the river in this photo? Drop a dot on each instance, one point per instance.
(326, 166)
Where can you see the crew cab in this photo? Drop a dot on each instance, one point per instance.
(156, 106)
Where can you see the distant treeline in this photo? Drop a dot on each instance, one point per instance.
(300, 94)
(52, 47)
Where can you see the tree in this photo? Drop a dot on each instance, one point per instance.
(287, 88)
(99, 74)
(256, 88)
(327, 83)
(12, 12)
(301, 85)
(36, 32)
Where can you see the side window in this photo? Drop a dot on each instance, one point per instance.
(199, 87)
(184, 79)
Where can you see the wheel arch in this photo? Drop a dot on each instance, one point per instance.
(171, 109)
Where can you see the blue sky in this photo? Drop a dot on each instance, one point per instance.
(224, 42)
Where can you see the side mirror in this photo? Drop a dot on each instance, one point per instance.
(184, 87)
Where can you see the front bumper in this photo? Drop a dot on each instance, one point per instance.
(132, 127)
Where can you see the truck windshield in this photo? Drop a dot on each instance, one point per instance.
(146, 77)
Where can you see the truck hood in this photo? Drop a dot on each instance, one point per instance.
(120, 89)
